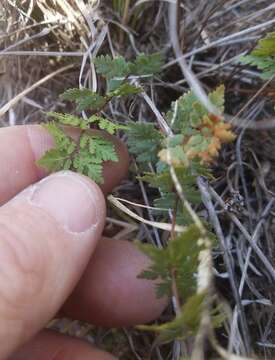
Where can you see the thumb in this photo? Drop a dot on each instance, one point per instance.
(47, 235)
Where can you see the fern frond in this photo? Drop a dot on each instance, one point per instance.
(86, 156)
(144, 141)
(203, 133)
(147, 64)
(69, 120)
(111, 68)
(85, 99)
(263, 56)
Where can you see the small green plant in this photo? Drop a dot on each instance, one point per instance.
(263, 56)
(195, 144)
(170, 163)
(176, 161)
(87, 153)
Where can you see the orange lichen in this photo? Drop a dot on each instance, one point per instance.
(212, 129)
(223, 132)
(220, 133)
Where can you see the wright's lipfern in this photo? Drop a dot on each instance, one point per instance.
(170, 164)
(200, 135)
(84, 155)
(87, 153)
(196, 142)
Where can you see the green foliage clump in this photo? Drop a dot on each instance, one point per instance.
(85, 155)
(116, 70)
(90, 150)
(144, 142)
(111, 68)
(178, 261)
(200, 134)
(195, 143)
(143, 65)
(168, 199)
(197, 137)
(187, 113)
(263, 56)
(84, 99)
(183, 326)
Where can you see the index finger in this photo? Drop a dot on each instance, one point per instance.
(21, 146)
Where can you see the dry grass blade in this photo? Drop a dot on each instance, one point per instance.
(206, 198)
(18, 97)
(158, 225)
(187, 72)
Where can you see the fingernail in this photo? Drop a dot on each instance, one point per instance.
(70, 199)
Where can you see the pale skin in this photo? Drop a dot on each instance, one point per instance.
(53, 259)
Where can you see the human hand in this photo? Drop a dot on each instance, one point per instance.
(50, 257)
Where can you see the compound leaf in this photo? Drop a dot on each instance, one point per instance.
(147, 64)
(263, 56)
(62, 141)
(144, 141)
(85, 99)
(125, 89)
(69, 120)
(111, 68)
(54, 160)
(105, 124)
(102, 149)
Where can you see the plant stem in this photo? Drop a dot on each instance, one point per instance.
(124, 20)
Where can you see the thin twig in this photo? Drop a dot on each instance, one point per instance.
(246, 234)
(206, 198)
(18, 97)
